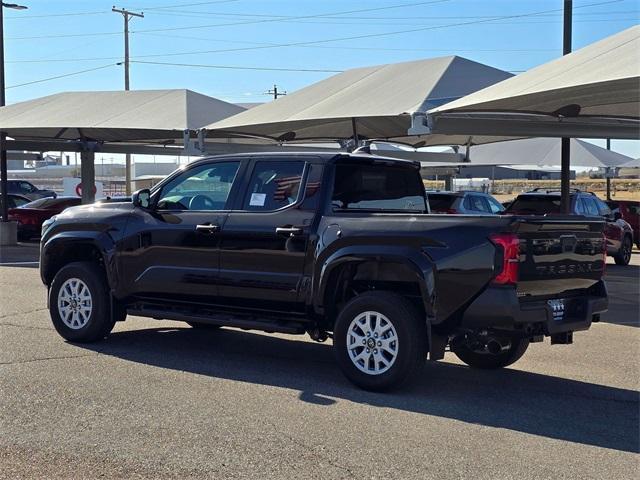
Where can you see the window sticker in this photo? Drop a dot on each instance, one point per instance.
(257, 199)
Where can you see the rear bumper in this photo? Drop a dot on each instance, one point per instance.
(500, 308)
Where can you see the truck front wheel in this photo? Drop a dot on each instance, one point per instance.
(482, 357)
(380, 341)
(79, 303)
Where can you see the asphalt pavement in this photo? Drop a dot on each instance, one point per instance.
(160, 400)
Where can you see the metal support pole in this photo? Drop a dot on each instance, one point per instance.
(354, 126)
(565, 159)
(3, 137)
(608, 173)
(88, 176)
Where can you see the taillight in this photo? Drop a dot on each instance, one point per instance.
(510, 245)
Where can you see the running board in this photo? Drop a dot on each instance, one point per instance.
(222, 319)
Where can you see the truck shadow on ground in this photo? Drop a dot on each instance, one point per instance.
(526, 402)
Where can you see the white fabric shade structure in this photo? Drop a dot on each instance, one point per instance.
(376, 102)
(113, 116)
(544, 151)
(593, 92)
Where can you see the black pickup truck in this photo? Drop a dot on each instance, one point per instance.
(334, 245)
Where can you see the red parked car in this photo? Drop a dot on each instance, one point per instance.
(629, 210)
(31, 215)
(618, 233)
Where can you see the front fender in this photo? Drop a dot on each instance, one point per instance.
(62, 247)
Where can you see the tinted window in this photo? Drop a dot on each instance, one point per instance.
(590, 207)
(494, 205)
(27, 187)
(633, 209)
(17, 201)
(441, 202)
(535, 204)
(476, 203)
(273, 185)
(378, 188)
(603, 208)
(205, 187)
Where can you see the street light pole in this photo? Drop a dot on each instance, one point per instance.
(3, 135)
(126, 14)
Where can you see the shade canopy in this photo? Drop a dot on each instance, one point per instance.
(544, 151)
(593, 92)
(380, 100)
(113, 116)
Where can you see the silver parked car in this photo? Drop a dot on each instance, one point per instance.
(463, 202)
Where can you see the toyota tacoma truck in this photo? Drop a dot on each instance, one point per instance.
(338, 246)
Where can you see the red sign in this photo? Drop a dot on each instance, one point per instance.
(79, 189)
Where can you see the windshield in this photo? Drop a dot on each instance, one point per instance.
(535, 204)
(377, 188)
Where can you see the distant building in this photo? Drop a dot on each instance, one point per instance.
(513, 172)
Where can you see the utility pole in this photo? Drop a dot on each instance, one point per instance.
(126, 14)
(275, 92)
(565, 150)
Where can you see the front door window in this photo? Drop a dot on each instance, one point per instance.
(204, 188)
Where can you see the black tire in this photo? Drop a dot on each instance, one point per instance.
(411, 345)
(99, 323)
(623, 257)
(23, 237)
(203, 326)
(488, 361)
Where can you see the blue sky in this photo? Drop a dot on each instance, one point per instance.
(60, 37)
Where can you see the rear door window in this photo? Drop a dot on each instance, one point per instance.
(273, 185)
(379, 188)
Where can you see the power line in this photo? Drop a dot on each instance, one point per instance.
(62, 76)
(186, 5)
(238, 67)
(68, 14)
(301, 17)
(371, 35)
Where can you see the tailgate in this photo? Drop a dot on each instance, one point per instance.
(559, 255)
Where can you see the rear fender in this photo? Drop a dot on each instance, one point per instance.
(416, 262)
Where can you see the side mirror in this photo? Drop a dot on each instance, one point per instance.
(142, 198)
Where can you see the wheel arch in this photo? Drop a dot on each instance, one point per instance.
(400, 267)
(69, 247)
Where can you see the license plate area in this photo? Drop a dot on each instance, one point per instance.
(558, 307)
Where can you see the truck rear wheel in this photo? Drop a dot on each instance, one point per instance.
(490, 361)
(79, 303)
(380, 341)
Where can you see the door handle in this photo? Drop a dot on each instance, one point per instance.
(207, 228)
(291, 231)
